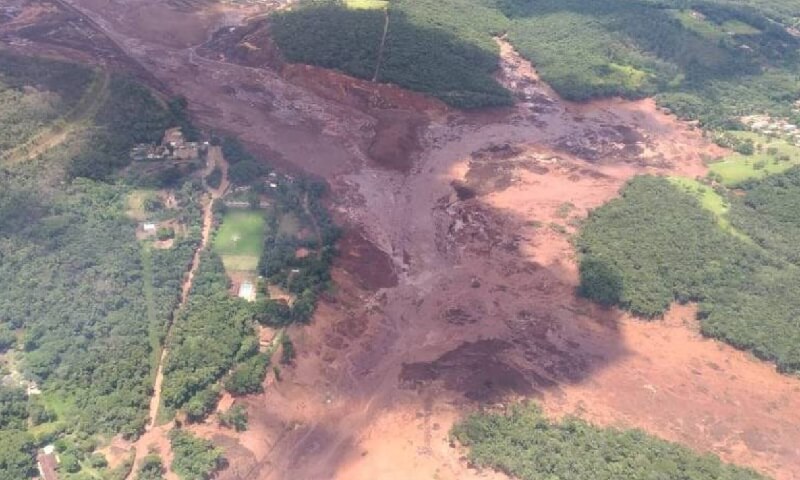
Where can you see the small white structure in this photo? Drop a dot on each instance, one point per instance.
(247, 291)
(149, 227)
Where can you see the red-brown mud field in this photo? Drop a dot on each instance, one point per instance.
(455, 286)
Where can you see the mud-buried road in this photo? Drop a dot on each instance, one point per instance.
(455, 283)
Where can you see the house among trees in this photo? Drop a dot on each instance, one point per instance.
(173, 147)
(47, 462)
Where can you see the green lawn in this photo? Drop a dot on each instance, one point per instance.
(366, 4)
(136, 199)
(737, 168)
(710, 200)
(695, 22)
(240, 238)
(739, 28)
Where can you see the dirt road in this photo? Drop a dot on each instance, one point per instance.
(155, 437)
(455, 283)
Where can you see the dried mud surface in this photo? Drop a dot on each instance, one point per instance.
(455, 287)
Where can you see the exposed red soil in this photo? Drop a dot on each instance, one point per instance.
(456, 282)
(371, 268)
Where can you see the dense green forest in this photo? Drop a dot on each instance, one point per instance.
(84, 304)
(245, 168)
(34, 93)
(769, 213)
(705, 60)
(83, 340)
(307, 276)
(711, 60)
(194, 458)
(455, 64)
(525, 444)
(656, 244)
(131, 115)
(211, 335)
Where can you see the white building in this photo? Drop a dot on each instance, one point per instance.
(247, 291)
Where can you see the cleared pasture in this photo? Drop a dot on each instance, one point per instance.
(774, 156)
(240, 238)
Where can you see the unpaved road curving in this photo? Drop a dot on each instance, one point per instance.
(449, 298)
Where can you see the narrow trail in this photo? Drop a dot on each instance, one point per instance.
(60, 129)
(383, 44)
(156, 436)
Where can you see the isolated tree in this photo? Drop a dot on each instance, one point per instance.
(236, 418)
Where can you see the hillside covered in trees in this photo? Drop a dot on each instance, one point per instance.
(84, 304)
(657, 244)
(710, 60)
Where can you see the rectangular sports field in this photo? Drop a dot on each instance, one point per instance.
(240, 239)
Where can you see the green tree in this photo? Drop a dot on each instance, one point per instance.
(69, 463)
(16, 455)
(7, 338)
(600, 281)
(194, 458)
(152, 468)
(288, 353)
(236, 418)
(248, 377)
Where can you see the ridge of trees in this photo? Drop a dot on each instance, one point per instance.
(706, 60)
(655, 245)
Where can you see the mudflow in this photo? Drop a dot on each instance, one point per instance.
(455, 283)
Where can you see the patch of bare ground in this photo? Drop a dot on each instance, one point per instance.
(473, 229)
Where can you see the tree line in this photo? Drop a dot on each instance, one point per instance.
(656, 245)
(525, 444)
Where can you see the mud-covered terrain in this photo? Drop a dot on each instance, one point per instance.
(455, 283)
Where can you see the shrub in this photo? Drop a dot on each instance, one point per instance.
(194, 458)
(235, 417)
(248, 377)
(165, 233)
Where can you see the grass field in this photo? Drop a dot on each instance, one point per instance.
(135, 206)
(710, 200)
(366, 4)
(695, 22)
(240, 238)
(737, 168)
